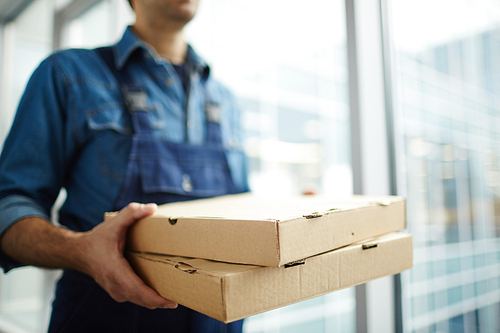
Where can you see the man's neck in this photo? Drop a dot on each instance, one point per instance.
(168, 41)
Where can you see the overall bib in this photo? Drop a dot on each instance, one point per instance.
(158, 171)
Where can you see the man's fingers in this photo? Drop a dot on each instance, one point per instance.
(134, 211)
(119, 280)
(134, 290)
(149, 298)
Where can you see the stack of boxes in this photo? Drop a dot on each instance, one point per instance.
(239, 255)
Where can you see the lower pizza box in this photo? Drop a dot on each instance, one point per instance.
(229, 292)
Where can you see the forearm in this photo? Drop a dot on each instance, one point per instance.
(35, 241)
(98, 253)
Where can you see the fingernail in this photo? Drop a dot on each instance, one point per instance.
(170, 306)
(149, 207)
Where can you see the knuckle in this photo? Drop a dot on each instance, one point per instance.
(114, 291)
(133, 206)
(117, 294)
(109, 277)
(119, 298)
(136, 296)
(114, 288)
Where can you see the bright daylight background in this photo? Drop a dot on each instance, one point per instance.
(287, 62)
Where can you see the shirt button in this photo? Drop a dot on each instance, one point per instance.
(169, 81)
(186, 183)
(190, 123)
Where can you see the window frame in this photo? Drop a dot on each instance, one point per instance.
(372, 126)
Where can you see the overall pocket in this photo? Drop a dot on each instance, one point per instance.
(195, 171)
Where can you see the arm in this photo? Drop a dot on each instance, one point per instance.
(36, 161)
(98, 253)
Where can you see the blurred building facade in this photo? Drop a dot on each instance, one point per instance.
(448, 109)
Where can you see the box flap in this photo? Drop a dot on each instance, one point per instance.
(248, 206)
(374, 253)
(194, 265)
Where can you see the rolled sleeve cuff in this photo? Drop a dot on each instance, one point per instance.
(12, 209)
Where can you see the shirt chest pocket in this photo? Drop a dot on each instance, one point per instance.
(110, 139)
(109, 117)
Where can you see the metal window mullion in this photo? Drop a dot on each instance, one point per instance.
(394, 141)
(357, 175)
(14, 9)
(371, 155)
(354, 98)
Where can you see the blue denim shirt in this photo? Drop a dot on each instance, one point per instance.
(72, 131)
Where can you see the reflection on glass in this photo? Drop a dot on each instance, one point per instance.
(25, 293)
(287, 64)
(447, 73)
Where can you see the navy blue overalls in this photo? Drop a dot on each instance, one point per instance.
(160, 172)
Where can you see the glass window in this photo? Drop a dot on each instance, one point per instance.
(288, 65)
(291, 82)
(24, 293)
(292, 79)
(27, 42)
(447, 75)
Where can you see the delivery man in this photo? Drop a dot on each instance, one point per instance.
(117, 127)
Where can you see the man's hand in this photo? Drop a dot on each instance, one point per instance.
(98, 253)
(103, 249)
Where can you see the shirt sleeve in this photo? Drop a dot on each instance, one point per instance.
(33, 161)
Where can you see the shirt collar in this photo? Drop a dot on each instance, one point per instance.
(131, 42)
(198, 64)
(126, 46)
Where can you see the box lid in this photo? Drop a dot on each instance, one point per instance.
(249, 229)
(228, 292)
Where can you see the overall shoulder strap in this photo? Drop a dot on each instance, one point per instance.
(133, 96)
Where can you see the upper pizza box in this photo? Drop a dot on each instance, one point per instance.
(249, 229)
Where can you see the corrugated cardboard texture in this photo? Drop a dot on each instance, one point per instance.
(301, 239)
(239, 241)
(262, 231)
(229, 292)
